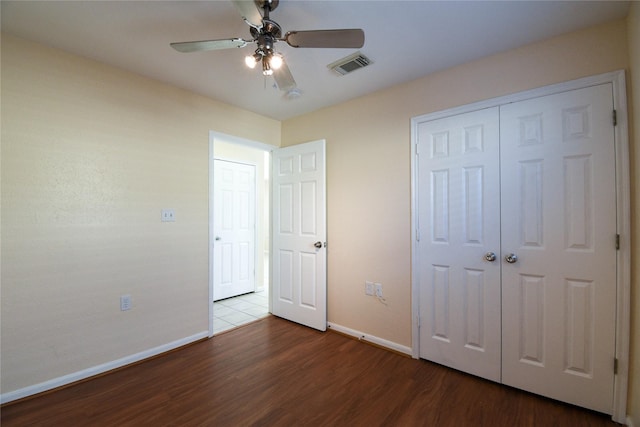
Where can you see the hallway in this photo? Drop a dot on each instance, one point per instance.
(233, 312)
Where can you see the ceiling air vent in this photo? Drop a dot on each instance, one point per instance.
(350, 63)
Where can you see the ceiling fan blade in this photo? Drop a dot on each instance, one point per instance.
(284, 78)
(351, 38)
(249, 11)
(196, 46)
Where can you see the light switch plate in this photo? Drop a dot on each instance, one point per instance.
(168, 215)
(125, 302)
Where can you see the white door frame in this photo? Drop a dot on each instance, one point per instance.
(213, 136)
(623, 285)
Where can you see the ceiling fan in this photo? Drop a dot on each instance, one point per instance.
(265, 33)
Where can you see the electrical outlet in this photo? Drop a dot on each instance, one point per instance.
(378, 287)
(125, 302)
(168, 215)
(368, 288)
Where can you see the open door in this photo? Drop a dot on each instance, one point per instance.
(299, 254)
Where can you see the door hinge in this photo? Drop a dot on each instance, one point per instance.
(615, 365)
(615, 118)
(617, 242)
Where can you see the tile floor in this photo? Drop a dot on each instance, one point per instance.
(232, 312)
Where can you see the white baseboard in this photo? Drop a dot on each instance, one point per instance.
(97, 370)
(629, 421)
(370, 338)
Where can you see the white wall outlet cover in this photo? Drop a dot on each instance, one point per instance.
(368, 288)
(378, 287)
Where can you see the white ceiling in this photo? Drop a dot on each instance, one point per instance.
(404, 39)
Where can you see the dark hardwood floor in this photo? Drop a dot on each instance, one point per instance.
(276, 373)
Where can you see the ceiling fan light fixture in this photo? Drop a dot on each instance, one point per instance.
(275, 61)
(266, 68)
(252, 60)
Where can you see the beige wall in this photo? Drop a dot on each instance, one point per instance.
(90, 155)
(633, 25)
(368, 165)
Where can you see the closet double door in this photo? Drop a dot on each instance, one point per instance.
(516, 223)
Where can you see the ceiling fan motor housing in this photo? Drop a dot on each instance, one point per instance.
(267, 4)
(269, 33)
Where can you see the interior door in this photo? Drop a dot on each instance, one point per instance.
(559, 220)
(234, 229)
(299, 288)
(459, 242)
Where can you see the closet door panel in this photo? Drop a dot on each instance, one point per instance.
(558, 218)
(459, 218)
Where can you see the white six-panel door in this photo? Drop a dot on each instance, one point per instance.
(299, 255)
(234, 229)
(459, 223)
(559, 219)
(550, 218)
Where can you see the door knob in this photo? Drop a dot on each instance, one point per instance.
(490, 256)
(318, 245)
(511, 258)
(218, 238)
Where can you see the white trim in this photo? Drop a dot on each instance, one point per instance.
(234, 140)
(623, 192)
(370, 338)
(97, 370)
(629, 422)
(240, 141)
(212, 137)
(612, 77)
(415, 288)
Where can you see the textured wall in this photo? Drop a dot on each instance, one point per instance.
(90, 155)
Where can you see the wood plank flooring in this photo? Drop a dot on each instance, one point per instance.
(276, 373)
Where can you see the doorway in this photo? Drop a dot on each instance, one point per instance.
(239, 249)
(296, 280)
